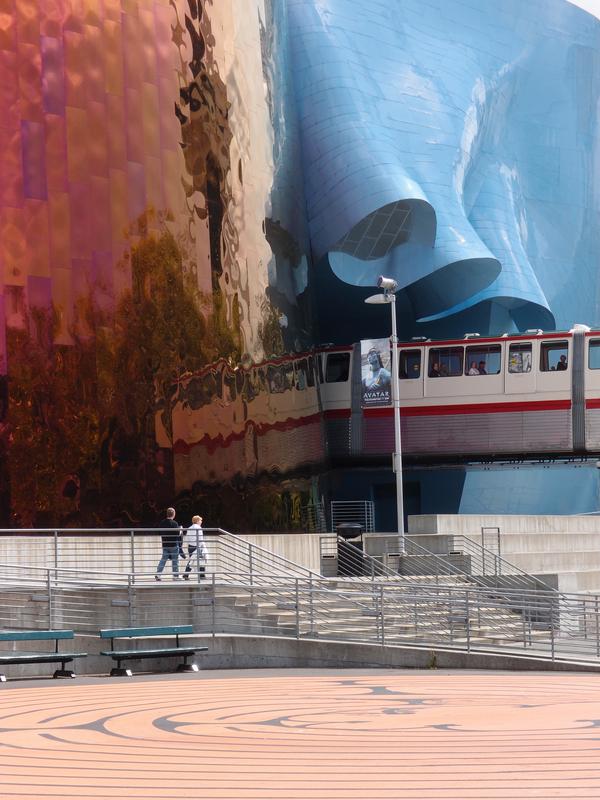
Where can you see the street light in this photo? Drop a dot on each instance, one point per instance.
(390, 287)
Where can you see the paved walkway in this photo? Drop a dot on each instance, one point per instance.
(303, 734)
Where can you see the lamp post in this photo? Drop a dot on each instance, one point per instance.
(390, 287)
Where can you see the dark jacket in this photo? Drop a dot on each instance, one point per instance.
(171, 539)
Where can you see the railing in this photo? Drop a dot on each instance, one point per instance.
(414, 565)
(244, 588)
(542, 624)
(136, 552)
(462, 569)
(361, 512)
(464, 557)
(490, 565)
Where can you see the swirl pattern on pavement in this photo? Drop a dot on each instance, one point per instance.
(396, 735)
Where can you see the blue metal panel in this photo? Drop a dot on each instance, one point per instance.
(482, 119)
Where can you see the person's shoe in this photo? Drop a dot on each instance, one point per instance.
(186, 577)
(157, 578)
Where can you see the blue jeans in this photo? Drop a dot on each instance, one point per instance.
(169, 553)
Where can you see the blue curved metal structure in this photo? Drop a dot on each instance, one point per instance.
(451, 145)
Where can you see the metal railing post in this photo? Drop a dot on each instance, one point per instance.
(55, 549)
(213, 604)
(50, 603)
(416, 617)
(198, 554)
(297, 611)
(468, 619)
(132, 553)
(250, 570)
(311, 606)
(131, 600)
(596, 627)
(552, 628)
(382, 615)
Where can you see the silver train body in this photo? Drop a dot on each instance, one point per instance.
(536, 394)
(486, 399)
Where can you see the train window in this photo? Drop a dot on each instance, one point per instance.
(410, 364)
(519, 358)
(338, 367)
(594, 355)
(554, 356)
(483, 360)
(445, 362)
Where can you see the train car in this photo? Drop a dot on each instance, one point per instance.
(528, 394)
(495, 398)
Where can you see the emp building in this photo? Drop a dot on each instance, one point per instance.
(197, 197)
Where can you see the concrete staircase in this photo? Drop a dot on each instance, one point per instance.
(350, 609)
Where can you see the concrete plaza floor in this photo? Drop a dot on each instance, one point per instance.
(310, 734)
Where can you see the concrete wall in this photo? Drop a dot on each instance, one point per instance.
(301, 548)
(252, 652)
(110, 553)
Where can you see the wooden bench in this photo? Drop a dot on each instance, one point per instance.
(34, 657)
(120, 655)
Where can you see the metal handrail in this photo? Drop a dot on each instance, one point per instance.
(291, 567)
(503, 567)
(383, 611)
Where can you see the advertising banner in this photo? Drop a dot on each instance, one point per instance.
(375, 358)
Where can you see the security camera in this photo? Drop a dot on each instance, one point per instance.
(387, 284)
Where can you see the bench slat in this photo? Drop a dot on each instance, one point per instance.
(34, 636)
(164, 651)
(166, 630)
(41, 658)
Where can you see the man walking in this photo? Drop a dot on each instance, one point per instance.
(171, 545)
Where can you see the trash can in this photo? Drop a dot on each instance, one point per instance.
(349, 530)
(350, 553)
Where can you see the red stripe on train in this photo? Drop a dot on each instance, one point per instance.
(472, 408)
(594, 402)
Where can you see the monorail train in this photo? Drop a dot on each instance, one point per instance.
(535, 394)
(528, 394)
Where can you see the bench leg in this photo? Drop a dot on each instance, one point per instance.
(63, 673)
(187, 668)
(120, 672)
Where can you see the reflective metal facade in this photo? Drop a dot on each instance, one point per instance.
(153, 247)
(179, 181)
